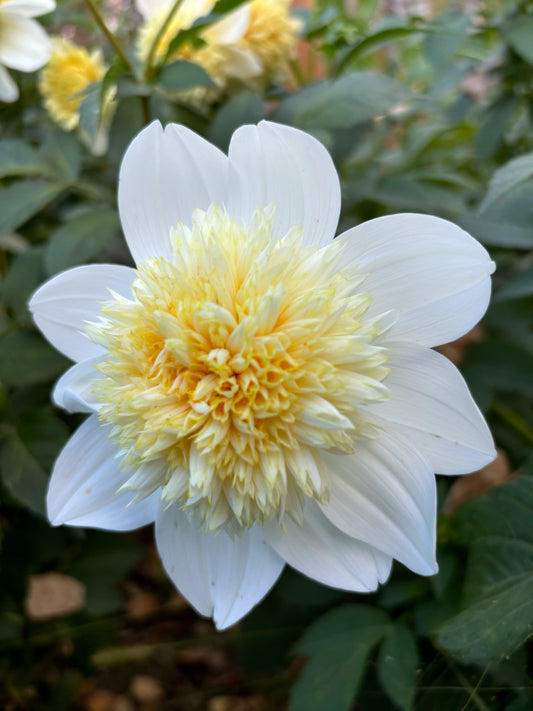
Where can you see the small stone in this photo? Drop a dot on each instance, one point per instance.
(53, 595)
(146, 689)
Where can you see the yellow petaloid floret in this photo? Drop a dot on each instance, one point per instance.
(69, 71)
(271, 34)
(233, 366)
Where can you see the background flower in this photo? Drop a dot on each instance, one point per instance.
(264, 394)
(70, 70)
(24, 45)
(251, 44)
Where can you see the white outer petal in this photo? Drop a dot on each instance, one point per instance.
(385, 495)
(164, 177)
(74, 390)
(429, 396)
(63, 305)
(238, 64)
(85, 479)
(149, 8)
(324, 553)
(433, 273)
(219, 576)
(279, 164)
(231, 28)
(24, 45)
(28, 8)
(9, 91)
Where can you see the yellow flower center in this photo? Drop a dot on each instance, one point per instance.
(234, 364)
(69, 71)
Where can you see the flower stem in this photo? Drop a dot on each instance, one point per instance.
(110, 37)
(153, 48)
(513, 419)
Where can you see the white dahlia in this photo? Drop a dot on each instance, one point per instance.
(263, 393)
(24, 45)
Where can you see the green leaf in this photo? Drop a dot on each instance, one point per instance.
(338, 645)
(105, 560)
(518, 288)
(494, 125)
(495, 233)
(375, 41)
(22, 475)
(494, 627)
(397, 666)
(19, 158)
(518, 32)
(498, 617)
(245, 107)
(26, 359)
(22, 200)
(25, 274)
(182, 75)
(80, 238)
(90, 110)
(501, 365)
(44, 435)
(61, 151)
(449, 32)
(508, 177)
(342, 103)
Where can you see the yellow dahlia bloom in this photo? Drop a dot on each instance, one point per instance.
(24, 45)
(220, 56)
(271, 35)
(69, 71)
(263, 393)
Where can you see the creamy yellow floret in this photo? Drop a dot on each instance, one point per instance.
(234, 365)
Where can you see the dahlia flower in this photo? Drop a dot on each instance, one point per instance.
(264, 393)
(69, 71)
(251, 44)
(24, 45)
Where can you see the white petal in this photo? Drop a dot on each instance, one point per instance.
(220, 576)
(74, 390)
(28, 8)
(164, 177)
(385, 495)
(322, 552)
(9, 91)
(24, 45)
(231, 27)
(431, 271)
(430, 397)
(279, 164)
(238, 64)
(149, 8)
(63, 305)
(85, 479)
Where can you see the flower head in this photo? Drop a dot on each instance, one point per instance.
(262, 392)
(24, 45)
(251, 44)
(220, 54)
(69, 71)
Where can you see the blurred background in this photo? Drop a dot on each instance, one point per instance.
(425, 106)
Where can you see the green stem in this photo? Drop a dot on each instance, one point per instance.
(514, 420)
(297, 73)
(110, 37)
(150, 58)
